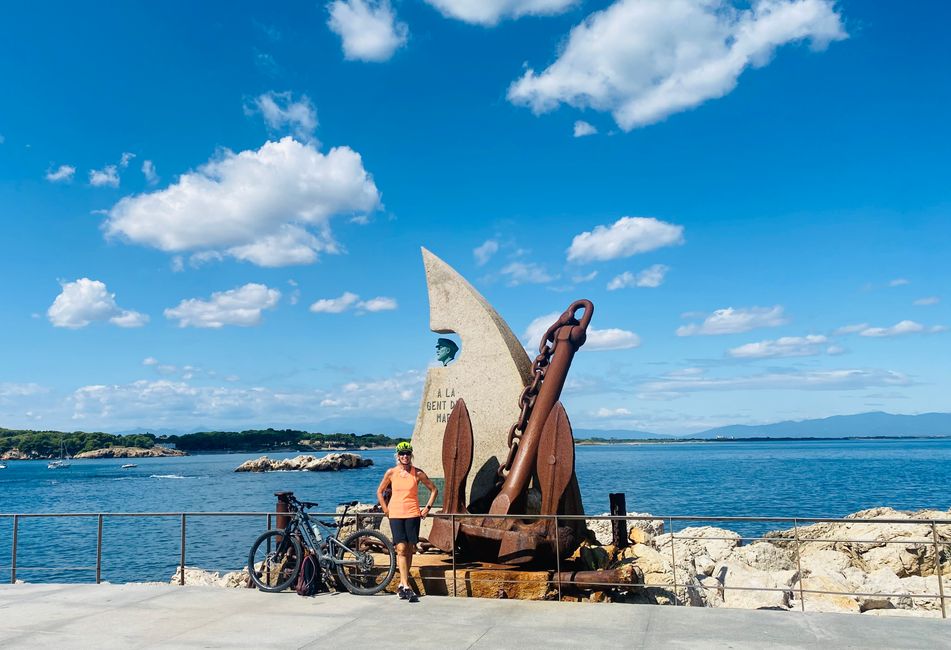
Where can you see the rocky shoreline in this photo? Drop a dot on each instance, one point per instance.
(131, 452)
(305, 463)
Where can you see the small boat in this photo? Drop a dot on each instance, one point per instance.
(63, 461)
(128, 466)
(2, 465)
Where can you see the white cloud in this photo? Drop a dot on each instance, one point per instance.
(611, 413)
(846, 379)
(282, 113)
(149, 361)
(351, 300)
(625, 237)
(241, 306)
(851, 329)
(9, 389)
(898, 329)
(786, 346)
(380, 303)
(126, 159)
(108, 176)
(643, 60)
(148, 170)
(63, 174)
(582, 129)
(930, 300)
(484, 252)
(525, 273)
(368, 28)
(606, 339)
(652, 277)
(335, 305)
(85, 301)
(271, 207)
(735, 321)
(588, 277)
(490, 12)
(899, 282)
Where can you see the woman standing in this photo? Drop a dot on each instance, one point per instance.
(404, 512)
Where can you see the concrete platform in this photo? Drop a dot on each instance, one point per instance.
(141, 616)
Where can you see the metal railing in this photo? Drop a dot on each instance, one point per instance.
(558, 581)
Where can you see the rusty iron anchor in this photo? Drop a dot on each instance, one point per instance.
(544, 452)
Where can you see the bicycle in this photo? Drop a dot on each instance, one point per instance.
(364, 562)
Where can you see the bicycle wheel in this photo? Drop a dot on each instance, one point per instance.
(274, 561)
(366, 562)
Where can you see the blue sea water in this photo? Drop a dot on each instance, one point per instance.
(829, 478)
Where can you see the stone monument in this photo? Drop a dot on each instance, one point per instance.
(490, 370)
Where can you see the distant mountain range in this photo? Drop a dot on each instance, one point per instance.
(838, 426)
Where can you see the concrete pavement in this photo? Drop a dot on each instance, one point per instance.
(148, 616)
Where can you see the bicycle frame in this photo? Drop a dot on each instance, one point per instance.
(302, 524)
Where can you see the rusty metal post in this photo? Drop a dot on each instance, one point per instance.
(99, 552)
(673, 556)
(181, 579)
(452, 525)
(802, 602)
(283, 506)
(13, 560)
(558, 558)
(937, 563)
(618, 528)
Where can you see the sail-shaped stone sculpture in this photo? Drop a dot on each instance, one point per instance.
(490, 372)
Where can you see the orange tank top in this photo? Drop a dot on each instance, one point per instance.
(404, 503)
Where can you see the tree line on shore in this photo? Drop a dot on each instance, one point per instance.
(46, 444)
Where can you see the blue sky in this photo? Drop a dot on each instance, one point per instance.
(212, 213)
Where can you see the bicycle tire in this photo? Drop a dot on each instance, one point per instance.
(371, 562)
(285, 557)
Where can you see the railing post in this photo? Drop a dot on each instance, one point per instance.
(802, 601)
(673, 556)
(452, 526)
(618, 505)
(181, 579)
(937, 563)
(13, 559)
(558, 558)
(99, 552)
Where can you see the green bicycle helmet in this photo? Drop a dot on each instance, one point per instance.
(404, 447)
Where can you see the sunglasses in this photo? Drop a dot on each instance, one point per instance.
(404, 453)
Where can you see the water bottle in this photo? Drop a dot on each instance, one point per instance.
(317, 535)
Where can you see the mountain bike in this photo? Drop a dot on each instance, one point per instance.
(364, 561)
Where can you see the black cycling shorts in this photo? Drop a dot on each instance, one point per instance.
(405, 530)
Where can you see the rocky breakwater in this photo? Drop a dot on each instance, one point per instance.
(131, 452)
(329, 463)
(821, 567)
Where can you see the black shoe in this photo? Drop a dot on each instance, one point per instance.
(401, 592)
(410, 595)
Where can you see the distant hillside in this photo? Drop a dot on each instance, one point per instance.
(840, 426)
(619, 434)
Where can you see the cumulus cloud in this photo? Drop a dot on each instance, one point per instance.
(241, 306)
(652, 277)
(525, 273)
(582, 129)
(606, 339)
(10, 389)
(899, 282)
(625, 237)
(282, 113)
(786, 346)
(108, 176)
(85, 301)
(611, 413)
(271, 207)
(148, 170)
(643, 60)
(484, 252)
(350, 300)
(846, 379)
(930, 300)
(368, 29)
(899, 329)
(490, 12)
(62, 174)
(735, 321)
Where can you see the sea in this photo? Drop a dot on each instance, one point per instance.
(788, 478)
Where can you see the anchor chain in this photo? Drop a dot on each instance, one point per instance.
(526, 401)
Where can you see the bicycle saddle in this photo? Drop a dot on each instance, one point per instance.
(309, 504)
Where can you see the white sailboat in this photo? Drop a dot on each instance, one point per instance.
(2, 465)
(63, 461)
